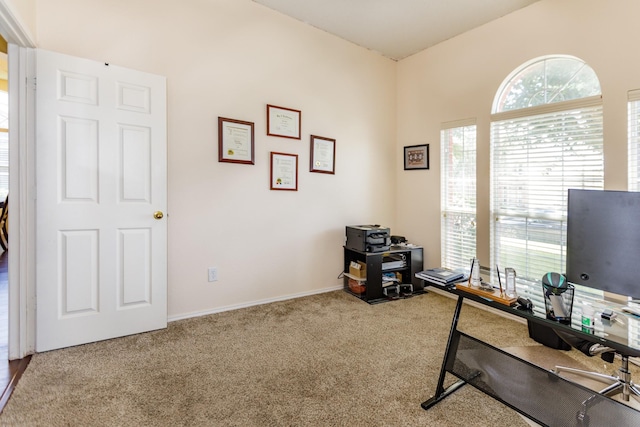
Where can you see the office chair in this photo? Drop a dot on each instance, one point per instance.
(617, 384)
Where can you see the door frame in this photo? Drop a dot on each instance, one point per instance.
(22, 185)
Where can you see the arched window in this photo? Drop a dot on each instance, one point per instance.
(546, 137)
(545, 81)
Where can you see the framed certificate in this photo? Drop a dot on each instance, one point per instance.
(323, 155)
(416, 157)
(235, 141)
(283, 122)
(284, 171)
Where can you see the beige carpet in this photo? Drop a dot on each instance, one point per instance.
(323, 360)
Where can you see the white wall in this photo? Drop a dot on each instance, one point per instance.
(458, 79)
(230, 58)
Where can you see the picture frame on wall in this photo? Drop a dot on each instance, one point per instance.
(284, 171)
(283, 122)
(322, 155)
(416, 157)
(236, 141)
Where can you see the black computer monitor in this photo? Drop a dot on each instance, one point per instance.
(603, 240)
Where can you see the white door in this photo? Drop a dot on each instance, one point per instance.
(101, 243)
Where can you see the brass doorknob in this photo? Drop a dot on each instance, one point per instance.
(158, 215)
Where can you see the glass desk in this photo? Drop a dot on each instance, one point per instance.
(537, 393)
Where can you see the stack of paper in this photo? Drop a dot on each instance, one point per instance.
(441, 275)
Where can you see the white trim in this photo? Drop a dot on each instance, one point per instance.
(555, 107)
(12, 29)
(22, 206)
(331, 289)
(22, 186)
(458, 124)
(253, 303)
(633, 95)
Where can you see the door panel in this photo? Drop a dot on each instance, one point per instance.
(135, 273)
(79, 268)
(78, 171)
(101, 156)
(135, 164)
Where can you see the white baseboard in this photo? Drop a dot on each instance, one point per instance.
(330, 289)
(252, 303)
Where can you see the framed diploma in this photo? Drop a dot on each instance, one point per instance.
(284, 171)
(235, 141)
(283, 122)
(416, 157)
(323, 155)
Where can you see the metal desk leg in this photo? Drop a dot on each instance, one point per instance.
(441, 392)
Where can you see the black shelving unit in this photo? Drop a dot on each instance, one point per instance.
(373, 291)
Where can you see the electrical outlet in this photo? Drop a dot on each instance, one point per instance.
(213, 274)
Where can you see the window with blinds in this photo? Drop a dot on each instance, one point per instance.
(634, 139)
(537, 154)
(458, 194)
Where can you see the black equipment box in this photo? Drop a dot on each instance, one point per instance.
(546, 336)
(368, 238)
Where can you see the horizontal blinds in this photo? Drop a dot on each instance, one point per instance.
(458, 195)
(634, 139)
(458, 239)
(534, 161)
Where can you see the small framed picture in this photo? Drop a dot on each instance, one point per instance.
(235, 141)
(416, 157)
(284, 171)
(283, 122)
(323, 155)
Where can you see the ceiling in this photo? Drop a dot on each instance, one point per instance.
(396, 28)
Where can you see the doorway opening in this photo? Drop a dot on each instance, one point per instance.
(4, 191)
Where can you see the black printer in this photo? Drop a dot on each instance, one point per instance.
(368, 238)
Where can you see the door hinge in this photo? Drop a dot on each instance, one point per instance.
(32, 82)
